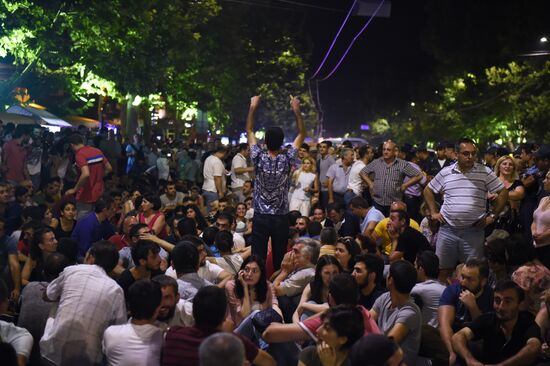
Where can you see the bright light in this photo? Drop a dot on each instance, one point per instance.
(543, 39)
(189, 114)
(188, 125)
(243, 138)
(225, 141)
(413, 104)
(218, 132)
(137, 101)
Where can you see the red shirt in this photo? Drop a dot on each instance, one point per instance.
(181, 346)
(14, 158)
(92, 190)
(119, 241)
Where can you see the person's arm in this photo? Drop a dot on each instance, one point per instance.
(246, 252)
(295, 105)
(254, 103)
(161, 243)
(223, 277)
(527, 355)
(365, 177)
(264, 359)
(398, 332)
(287, 265)
(303, 299)
(159, 224)
(369, 230)
(84, 175)
(15, 272)
(278, 333)
(107, 166)
(517, 194)
(219, 186)
(469, 300)
(528, 181)
(330, 190)
(446, 315)
(500, 201)
(411, 182)
(460, 345)
(27, 269)
(430, 201)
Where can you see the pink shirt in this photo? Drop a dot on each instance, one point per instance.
(14, 158)
(541, 219)
(235, 304)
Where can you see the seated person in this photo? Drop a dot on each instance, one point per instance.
(381, 230)
(229, 261)
(376, 350)
(186, 262)
(368, 272)
(509, 336)
(406, 241)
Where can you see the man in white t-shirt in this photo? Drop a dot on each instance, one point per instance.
(139, 341)
(355, 182)
(173, 310)
(213, 187)
(240, 171)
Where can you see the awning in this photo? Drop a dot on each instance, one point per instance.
(43, 116)
(82, 121)
(16, 119)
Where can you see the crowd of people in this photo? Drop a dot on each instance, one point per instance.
(159, 252)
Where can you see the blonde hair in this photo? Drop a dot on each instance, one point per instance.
(514, 164)
(313, 165)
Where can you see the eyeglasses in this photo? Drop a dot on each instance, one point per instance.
(468, 153)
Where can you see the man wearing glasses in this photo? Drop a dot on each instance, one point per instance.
(464, 186)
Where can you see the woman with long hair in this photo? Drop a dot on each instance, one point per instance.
(306, 184)
(43, 244)
(250, 292)
(151, 216)
(315, 296)
(346, 250)
(244, 226)
(66, 223)
(193, 212)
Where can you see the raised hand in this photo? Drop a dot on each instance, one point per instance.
(255, 101)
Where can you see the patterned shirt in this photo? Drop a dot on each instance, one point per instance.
(465, 193)
(272, 181)
(388, 179)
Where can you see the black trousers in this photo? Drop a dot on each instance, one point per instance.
(270, 226)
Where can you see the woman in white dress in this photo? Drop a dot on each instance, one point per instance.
(306, 184)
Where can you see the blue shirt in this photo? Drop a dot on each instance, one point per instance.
(88, 230)
(272, 181)
(372, 215)
(8, 246)
(451, 297)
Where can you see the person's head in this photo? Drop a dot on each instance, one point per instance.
(308, 165)
(144, 300)
(76, 141)
(342, 289)
(171, 189)
(450, 152)
(508, 296)
(467, 150)
(244, 149)
(328, 236)
(327, 267)
(185, 258)
(314, 229)
(129, 221)
(54, 264)
(247, 187)
(209, 235)
(303, 151)
(105, 207)
(170, 296)
(506, 166)
(473, 275)
(187, 226)
(274, 137)
(223, 203)
(4, 192)
(526, 154)
(136, 231)
(335, 212)
(301, 224)
(21, 194)
(402, 277)
(220, 151)
(222, 348)
(306, 253)
(225, 221)
(145, 254)
(427, 265)
(496, 251)
(389, 150)
(254, 275)
(368, 270)
(8, 355)
(209, 307)
(342, 326)
(347, 156)
(399, 220)
(490, 155)
(224, 241)
(151, 202)
(241, 210)
(345, 251)
(67, 210)
(43, 243)
(116, 195)
(293, 216)
(376, 350)
(318, 214)
(69, 248)
(358, 206)
(324, 147)
(104, 254)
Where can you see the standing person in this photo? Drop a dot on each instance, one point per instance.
(95, 226)
(240, 171)
(463, 215)
(306, 185)
(355, 183)
(389, 174)
(112, 149)
(14, 155)
(93, 166)
(133, 151)
(272, 184)
(506, 170)
(213, 187)
(541, 224)
(324, 162)
(337, 178)
(89, 301)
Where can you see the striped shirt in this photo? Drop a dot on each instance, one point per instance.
(388, 179)
(465, 193)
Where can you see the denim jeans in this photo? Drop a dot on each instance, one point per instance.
(209, 197)
(266, 226)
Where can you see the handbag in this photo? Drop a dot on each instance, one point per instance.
(263, 318)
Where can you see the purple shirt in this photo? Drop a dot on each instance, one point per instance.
(272, 181)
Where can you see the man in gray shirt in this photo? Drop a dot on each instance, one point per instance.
(337, 177)
(324, 162)
(396, 313)
(186, 261)
(428, 290)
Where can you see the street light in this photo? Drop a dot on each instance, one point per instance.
(543, 39)
(413, 104)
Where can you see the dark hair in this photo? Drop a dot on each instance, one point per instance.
(293, 216)
(403, 275)
(224, 240)
(304, 146)
(209, 235)
(187, 226)
(195, 240)
(221, 347)
(209, 307)
(347, 321)
(336, 206)
(103, 203)
(199, 217)
(34, 251)
(316, 286)
(260, 287)
(429, 262)
(403, 215)
(372, 350)
(8, 354)
(166, 281)
(496, 250)
(226, 216)
(373, 264)
(134, 229)
(274, 137)
(242, 147)
(367, 244)
(363, 151)
(343, 289)
(314, 228)
(359, 202)
(463, 140)
(69, 248)
(105, 255)
(327, 142)
(154, 200)
(20, 191)
(480, 264)
(185, 257)
(328, 236)
(141, 250)
(510, 285)
(54, 264)
(75, 139)
(144, 297)
(65, 204)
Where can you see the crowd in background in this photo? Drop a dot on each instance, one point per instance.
(163, 252)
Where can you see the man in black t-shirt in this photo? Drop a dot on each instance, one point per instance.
(368, 272)
(509, 336)
(406, 241)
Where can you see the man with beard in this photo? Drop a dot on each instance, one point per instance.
(368, 272)
(173, 310)
(301, 225)
(465, 301)
(510, 337)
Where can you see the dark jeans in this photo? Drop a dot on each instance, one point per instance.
(413, 207)
(323, 198)
(288, 306)
(265, 226)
